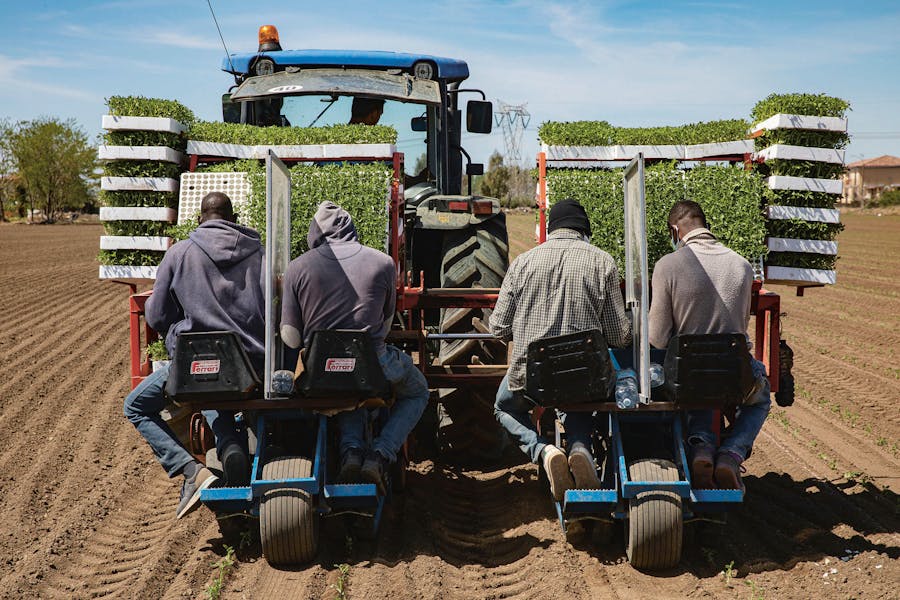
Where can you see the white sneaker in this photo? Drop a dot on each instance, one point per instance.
(557, 469)
(583, 469)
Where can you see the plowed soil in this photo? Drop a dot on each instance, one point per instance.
(88, 513)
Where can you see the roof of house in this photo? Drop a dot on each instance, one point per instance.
(881, 161)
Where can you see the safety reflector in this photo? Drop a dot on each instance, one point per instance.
(461, 205)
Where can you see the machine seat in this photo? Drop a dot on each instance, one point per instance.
(211, 365)
(709, 371)
(342, 364)
(569, 369)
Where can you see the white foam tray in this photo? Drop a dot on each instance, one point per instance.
(718, 149)
(810, 122)
(790, 275)
(134, 242)
(164, 124)
(139, 184)
(161, 153)
(820, 215)
(311, 151)
(137, 213)
(128, 273)
(797, 245)
(805, 184)
(669, 152)
(786, 152)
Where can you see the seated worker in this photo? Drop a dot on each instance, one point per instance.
(366, 111)
(211, 281)
(704, 287)
(341, 284)
(563, 286)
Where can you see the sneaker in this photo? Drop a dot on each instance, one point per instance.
(236, 465)
(374, 469)
(351, 466)
(583, 469)
(556, 466)
(702, 458)
(728, 471)
(190, 491)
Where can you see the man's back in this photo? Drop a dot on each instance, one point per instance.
(703, 287)
(562, 286)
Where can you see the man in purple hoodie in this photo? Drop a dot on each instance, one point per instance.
(213, 281)
(341, 284)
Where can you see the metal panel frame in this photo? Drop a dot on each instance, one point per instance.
(278, 254)
(635, 209)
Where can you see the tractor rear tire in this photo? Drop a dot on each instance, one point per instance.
(655, 520)
(471, 258)
(288, 521)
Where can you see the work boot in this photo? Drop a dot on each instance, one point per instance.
(556, 466)
(236, 465)
(351, 466)
(702, 458)
(191, 488)
(374, 469)
(728, 470)
(583, 469)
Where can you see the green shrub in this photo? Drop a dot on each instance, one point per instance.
(137, 198)
(800, 198)
(134, 258)
(730, 196)
(157, 350)
(803, 137)
(139, 106)
(803, 230)
(889, 198)
(819, 105)
(802, 260)
(182, 230)
(250, 135)
(801, 168)
(145, 138)
(601, 133)
(141, 168)
(152, 228)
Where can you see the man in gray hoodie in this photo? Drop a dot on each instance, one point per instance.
(213, 281)
(341, 284)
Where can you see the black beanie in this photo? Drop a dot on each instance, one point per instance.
(570, 214)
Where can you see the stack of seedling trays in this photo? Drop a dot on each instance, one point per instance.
(799, 147)
(143, 154)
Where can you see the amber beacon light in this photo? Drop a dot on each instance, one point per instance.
(268, 38)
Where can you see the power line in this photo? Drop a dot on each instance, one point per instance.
(513, 119)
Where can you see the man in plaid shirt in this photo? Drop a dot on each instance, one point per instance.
(563, 286)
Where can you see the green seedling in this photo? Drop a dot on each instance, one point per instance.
(341, 586)
(224, 565)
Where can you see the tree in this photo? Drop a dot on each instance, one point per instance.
(495, 182)
(512, 185)
(54, 162)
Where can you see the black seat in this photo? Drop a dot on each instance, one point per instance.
(711, 371)
(211, 365)
(569, 369)
(342, 363)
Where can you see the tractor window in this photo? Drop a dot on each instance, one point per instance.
(319, 111)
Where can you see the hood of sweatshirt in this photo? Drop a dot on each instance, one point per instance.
(226, 243)
(331, 224)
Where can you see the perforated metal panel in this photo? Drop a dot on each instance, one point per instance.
(194, 186)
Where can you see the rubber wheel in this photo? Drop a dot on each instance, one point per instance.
(473, 257)
(288, 521)
(655, 519)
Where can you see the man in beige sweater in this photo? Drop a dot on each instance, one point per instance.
(704, 287)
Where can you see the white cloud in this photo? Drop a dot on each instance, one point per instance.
(15, 76)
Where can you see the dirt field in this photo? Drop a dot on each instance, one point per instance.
(89, 513)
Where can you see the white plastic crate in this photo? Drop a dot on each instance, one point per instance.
(793, 275)
(137, 213)
(809, 122)
(820, 215)
(797, 245)
(128, 273)
(311, 151)
(668, 152)
(161, 153)
(139, 184)
(194, 186)
(696, 151)
(786, 152)
(135, 242)
(164, 124)
(805, 184)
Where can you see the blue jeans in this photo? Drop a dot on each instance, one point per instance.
(749, 420)
(142, 408)
(411, 391)
(511, 410)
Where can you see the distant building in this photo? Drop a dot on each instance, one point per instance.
(866, 179)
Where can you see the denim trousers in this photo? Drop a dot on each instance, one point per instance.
(511, 410)
(142, 408)
(749, 420)
(411, 390)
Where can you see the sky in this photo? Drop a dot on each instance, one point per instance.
(632, 63)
